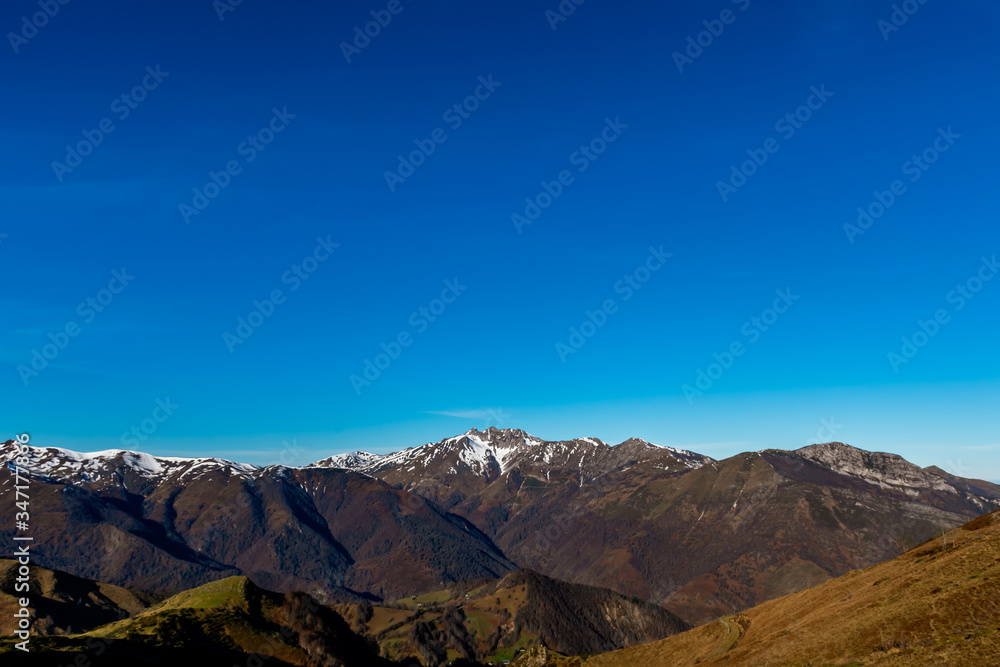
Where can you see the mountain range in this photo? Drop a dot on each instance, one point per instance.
(164, 525)
(700, 537)
(937, 604)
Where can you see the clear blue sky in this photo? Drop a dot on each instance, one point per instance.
(491, 354)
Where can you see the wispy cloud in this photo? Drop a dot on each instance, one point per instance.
(482, 413)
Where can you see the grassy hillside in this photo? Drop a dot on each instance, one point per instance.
(224, 622)
(65, 604)
(231, 620)
(938, 604)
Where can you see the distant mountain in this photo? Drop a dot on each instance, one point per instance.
(227, 622)
(937, 604)
(493, 621)
(702, 537)
(166, 524)
(456, 468)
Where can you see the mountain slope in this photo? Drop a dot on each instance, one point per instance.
(702, 537)
(64, 604)
(492, 621)
(164, 525)
(937, 604)
(227, 622)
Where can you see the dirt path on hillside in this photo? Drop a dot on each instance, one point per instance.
(733, 636)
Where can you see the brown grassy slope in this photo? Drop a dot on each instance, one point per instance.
(62, 603)
(938, 604)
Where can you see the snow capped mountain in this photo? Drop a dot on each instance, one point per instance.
(350, 461)
(485, 455)
(116, 465)
(691, 460)
(495, 452)
(465, 464)
(164, 524)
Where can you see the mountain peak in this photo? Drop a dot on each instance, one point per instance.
(110, 464)
(879, 468)
(641, 443)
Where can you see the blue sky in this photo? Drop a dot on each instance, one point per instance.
(598, 102)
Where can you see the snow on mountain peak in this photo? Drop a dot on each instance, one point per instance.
(348, 461)
(78, 467)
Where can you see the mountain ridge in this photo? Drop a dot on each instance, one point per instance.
(730, 533)
(342, 536)
(49, 461)
(697, 535)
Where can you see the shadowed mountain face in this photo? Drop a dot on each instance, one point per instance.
(164, 525)
(492, 621)
(575, 619)
(937, 604)
(702, 537)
